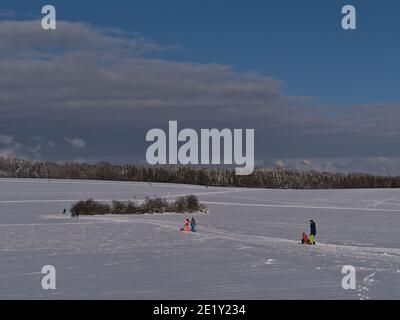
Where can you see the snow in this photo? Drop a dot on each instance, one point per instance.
(247, 246)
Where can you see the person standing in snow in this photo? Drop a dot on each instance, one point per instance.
(193, 225)
(313, 231)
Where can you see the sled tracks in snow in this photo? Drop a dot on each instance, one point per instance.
(371, 259)
(205, 233)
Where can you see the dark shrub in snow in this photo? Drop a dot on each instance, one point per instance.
(180, 205)
(89, 207)
(192, 203)
(187, 204)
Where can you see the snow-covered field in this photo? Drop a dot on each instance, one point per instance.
(247, 246)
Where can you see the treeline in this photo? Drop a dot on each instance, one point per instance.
(261, 177)
(186, 204)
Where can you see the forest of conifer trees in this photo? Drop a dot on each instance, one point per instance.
(225, 177)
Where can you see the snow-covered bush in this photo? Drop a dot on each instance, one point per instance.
(89, 207)
(186, 204)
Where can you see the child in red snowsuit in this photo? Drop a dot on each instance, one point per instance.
(186, 226)
(304, 239)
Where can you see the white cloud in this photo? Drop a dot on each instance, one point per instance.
(76, 142)
(27, 39)
(10, 148)
(373, 165)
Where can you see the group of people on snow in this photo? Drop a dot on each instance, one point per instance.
(189, 226)
(313, 232)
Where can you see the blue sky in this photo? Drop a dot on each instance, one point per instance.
(318, 97)
(300, 42)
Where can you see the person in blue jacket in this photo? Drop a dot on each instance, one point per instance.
(193, 225)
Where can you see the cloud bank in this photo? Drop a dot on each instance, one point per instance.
(80, 85)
